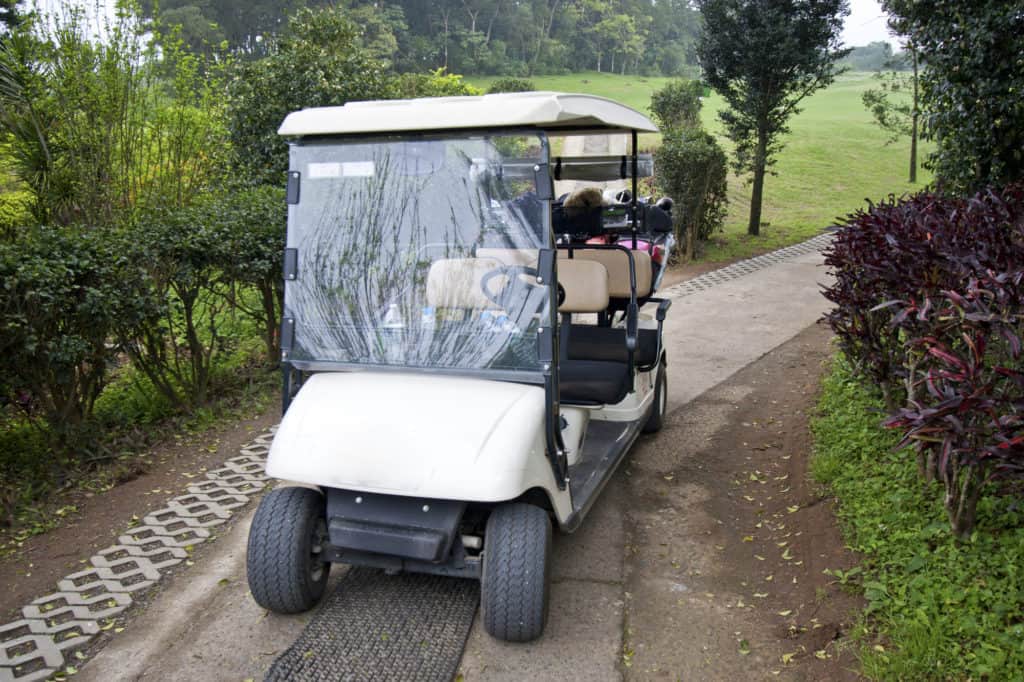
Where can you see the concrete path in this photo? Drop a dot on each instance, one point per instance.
(203, 624)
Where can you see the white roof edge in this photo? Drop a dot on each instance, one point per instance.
(539, 109)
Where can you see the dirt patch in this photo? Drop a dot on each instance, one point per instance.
(44, 559)
(729, 536)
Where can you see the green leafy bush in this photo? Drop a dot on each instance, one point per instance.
(319, 62)
(64, 293)
(691, 167)
(511, 85)
(15, 213)
(938, 608)
(433, 84)
(677, 105)
(249, 225)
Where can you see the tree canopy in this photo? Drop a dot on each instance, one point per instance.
(971, 88)
(763, 57)
(498, 37)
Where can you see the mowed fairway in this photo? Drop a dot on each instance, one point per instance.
(834, 159)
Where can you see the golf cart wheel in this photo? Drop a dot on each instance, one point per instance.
(286, 540)
(517, 572)
(657, 417)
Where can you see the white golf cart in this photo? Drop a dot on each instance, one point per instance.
(465, 360)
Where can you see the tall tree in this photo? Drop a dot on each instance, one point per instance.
(894, 104)
(971, 86)
(764, 57)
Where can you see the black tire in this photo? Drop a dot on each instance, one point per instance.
(286, 539)
(656, 419)
(515, 586)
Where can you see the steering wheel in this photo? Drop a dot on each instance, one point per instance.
(517, 289)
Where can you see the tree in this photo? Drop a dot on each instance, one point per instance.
(892, 111)
(319, 62)
(971, 88)
(874, 56)
(764, 57)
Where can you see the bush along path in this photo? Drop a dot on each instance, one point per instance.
(929, 315)
(54, 629)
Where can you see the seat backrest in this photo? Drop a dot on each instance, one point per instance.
(616, 262)
(455, 283)
(586, 286)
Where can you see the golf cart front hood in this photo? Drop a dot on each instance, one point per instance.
(414, 434)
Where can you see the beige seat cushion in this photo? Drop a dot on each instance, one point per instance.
(586, 286)
(455, 283)
(617, 263)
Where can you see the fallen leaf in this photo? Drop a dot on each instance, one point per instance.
(785, 613)
(786, 658)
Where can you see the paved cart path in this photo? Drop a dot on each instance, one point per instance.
(203, 624)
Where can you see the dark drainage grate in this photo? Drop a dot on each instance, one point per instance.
(746, 267)
(381, 627)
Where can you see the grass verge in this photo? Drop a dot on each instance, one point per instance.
(937, 609)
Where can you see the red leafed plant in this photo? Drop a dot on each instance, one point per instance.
(930, 307)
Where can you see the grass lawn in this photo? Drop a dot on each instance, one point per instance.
(835, 159)
(937, 609)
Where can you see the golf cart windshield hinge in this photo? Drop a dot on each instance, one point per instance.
(542, 178)
(291, 264)
(294, 180)
(287, 335)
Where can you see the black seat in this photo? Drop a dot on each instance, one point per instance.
(591, 342)
(592, 382)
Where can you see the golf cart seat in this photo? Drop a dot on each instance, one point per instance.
(590, 381)
(616, 262)
(592, 342)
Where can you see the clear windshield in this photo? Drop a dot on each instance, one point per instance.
(418, 253)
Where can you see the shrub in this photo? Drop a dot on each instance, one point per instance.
(691, 167)
(64, 292)
(250, 229)
(319, 62)
(176, 347)
(678, 104)
(434, 84)
(929, 304)
(511, 85)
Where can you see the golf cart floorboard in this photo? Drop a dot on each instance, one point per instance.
(605, 446)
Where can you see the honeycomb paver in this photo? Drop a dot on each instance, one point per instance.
(745, 267)
(38, 645)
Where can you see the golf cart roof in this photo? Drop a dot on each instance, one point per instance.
(552, 112)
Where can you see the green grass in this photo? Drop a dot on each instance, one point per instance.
(937, 609)
(834, 159)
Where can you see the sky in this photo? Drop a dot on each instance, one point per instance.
(866, 24)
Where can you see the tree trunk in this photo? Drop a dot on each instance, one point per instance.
(913, 122)
(754, 226)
